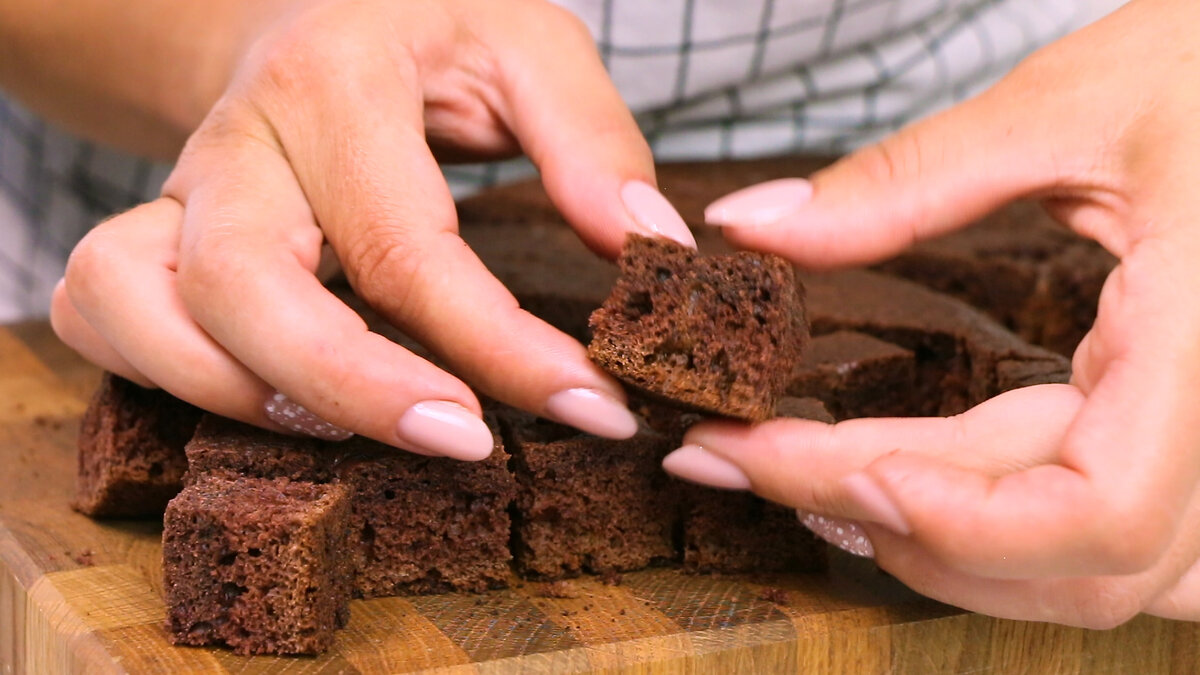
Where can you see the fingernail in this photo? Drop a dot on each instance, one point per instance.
(653, 214)
(761, 204)
(291, 415)
(593, 412)
(697, 465)
(876, 506)
(445, 428)
(844, 534)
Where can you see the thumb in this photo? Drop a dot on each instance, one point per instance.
(929, 178)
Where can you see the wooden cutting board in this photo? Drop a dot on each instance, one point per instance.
(78, 595)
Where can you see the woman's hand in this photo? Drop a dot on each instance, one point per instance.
(1075, 504)
(328, 133)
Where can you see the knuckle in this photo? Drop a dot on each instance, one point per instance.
(565, 23)
(1103, 605)
(897, 160)
(209, 261)
(382, 263)
(882, 162)
(1037, 69)
(323, 50)
(288, 62)
(92, 261)
(227, 128)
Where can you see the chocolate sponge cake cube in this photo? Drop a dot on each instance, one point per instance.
(856, 375)
(258, 565)
(587, 504)
(718, 334)
(426, 524)
(739, 532)
(232, 449)
(131, 458)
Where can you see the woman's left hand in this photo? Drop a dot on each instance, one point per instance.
(1076, 504)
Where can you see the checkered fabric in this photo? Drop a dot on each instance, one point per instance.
(706, 78)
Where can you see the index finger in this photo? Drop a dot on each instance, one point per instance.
(380, 198)
(801, 463)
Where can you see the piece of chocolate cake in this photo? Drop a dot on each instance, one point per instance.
(258, 565)
(588, 504)
(1037, 278)
(855, 375)
(426, 524)
(733, 532)
(231, 449)
(959, 351)
(419, 524)
(717, 334)
(131, 460)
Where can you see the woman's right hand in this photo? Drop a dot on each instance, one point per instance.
(328, 132)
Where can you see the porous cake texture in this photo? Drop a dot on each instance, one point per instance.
(131, 459)
(588, 504)
(718, 334)
(257, 565)
(426, 524)
(736, 532)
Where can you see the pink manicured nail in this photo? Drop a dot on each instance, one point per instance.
(761, 204)
(844, 534)
(593, 412)
(874, 503)
(652, 213)
(445, 428)
(291, 415)
(697, 465)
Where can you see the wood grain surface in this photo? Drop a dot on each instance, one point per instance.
(78, 595)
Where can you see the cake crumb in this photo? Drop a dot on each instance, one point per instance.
(775, 595)
(559, 589)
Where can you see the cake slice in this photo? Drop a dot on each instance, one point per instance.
(717, 334)
(426, 524)
(131, 459)
(257, 565)
(732, 532)
(231, 449)
(855, 375)
(588, 504)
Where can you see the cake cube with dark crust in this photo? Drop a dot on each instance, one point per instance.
(257, 565)
(963, 357)
(805, 408)
(426, 524)
(738, 532)
(588, 504)
(232, 449)
(1035, 277)
(131, 459)
(718, 334)
(855, 375)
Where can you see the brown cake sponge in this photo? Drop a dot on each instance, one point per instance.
(589, 504)
(256, 564)
(733, 532)
(131, 459)
(718, 334)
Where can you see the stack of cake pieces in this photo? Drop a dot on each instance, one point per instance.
(270, 536)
